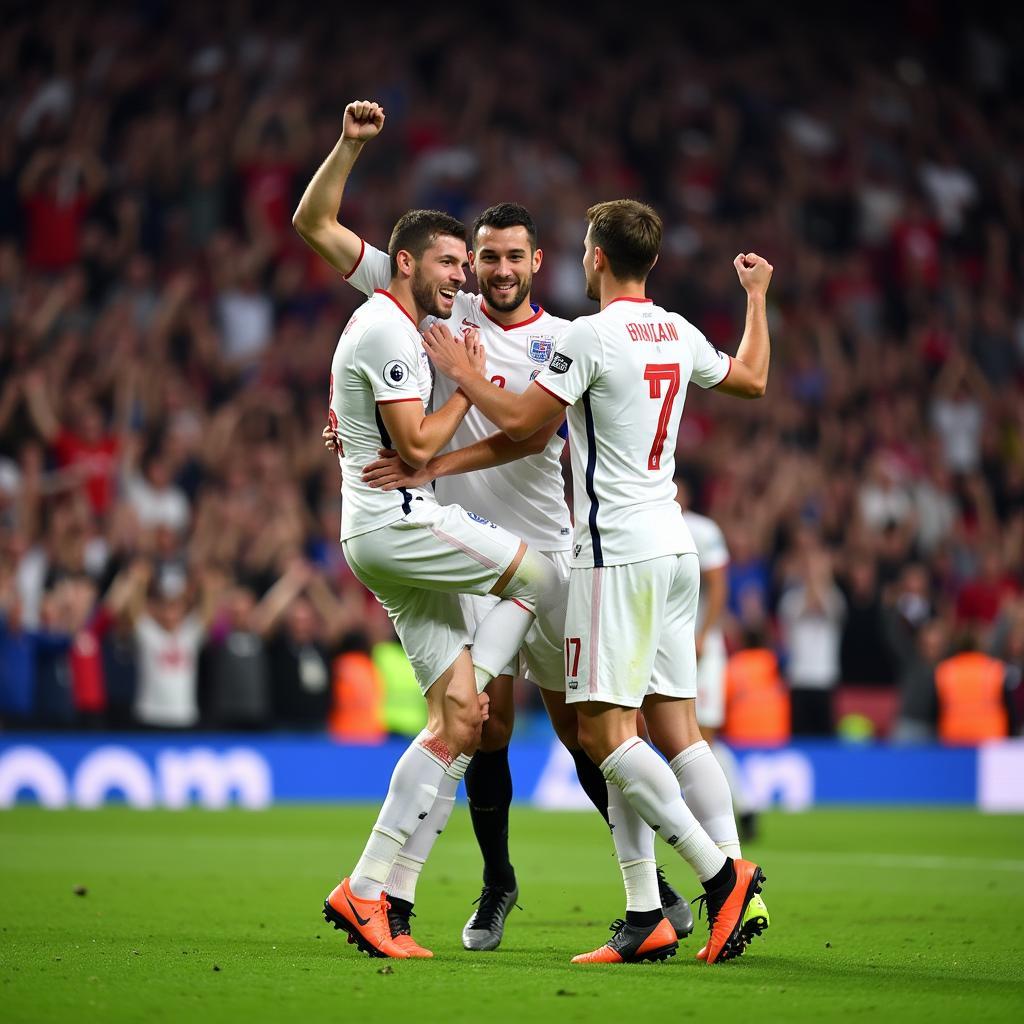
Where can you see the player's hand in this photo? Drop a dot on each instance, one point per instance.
(389, 472)
(754, 272)
(364, 120)
(475, 348)
(485, 705)
(448, 355)
(331, 440)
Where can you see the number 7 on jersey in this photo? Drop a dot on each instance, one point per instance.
(657, 374)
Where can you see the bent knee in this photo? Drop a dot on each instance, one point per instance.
(462, 722)
(496, 733)
(533, 579)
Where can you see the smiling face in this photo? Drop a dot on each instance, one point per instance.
(438, 275)
(504, 262)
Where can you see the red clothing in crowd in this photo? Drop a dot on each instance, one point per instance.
(71, 450)
(980, 600)
(53, 229)
(88, 689)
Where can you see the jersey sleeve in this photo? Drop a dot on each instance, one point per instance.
(387, 358)
(372, 270)
(710, 367)
(574, 365)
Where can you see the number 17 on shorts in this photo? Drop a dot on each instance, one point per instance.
(573, 646)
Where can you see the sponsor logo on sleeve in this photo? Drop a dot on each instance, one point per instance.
(541, 348)
(396, 373)
(559, 363)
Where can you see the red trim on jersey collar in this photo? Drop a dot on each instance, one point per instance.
(384, 291)
(550, 392)
(359, 259)
(512, 327)
(628, 298)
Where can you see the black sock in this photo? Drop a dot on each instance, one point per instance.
(643, 918)
(489, 791)
(727, 876)
(402, 906)
(592, 781)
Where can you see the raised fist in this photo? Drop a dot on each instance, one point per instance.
(753, 271)
(363, 120)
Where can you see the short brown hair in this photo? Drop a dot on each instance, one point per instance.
(417, 230)
(629, 234)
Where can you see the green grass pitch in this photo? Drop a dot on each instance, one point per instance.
(899, 915)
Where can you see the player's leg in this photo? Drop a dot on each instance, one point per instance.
(565, 722)
(671, 714)
(672, 726)
(435, 549)
(626, 608)
(359, 904)
(467, 554)
(544, 651)
(545, 656)
(405, 872)
(746, 815)
(489, 792)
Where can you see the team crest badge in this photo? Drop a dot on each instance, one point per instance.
(541, 349)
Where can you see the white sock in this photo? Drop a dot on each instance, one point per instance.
(405, 872)
(411, 793)
(498, 637)
(634, 847)
(653, 792)
(706, 792)
(727, 759)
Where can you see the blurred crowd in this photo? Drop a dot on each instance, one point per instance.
(166, 505)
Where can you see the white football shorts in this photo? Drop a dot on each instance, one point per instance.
(629, 631)
(541, 659)
(418, 566)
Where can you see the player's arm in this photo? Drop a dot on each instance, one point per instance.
(316, 216)
(390, 472)
(519, 416)
(714, 588)
(748, 373)
(416, 435)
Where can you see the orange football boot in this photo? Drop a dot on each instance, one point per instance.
(633, 943)
(726, 908)
(366, 921)
(399, 913)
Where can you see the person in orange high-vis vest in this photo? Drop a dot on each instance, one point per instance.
(356, 713)
(971, 690)
(756, 700)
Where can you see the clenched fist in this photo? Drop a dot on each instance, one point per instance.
(754, 272)
(364, 120)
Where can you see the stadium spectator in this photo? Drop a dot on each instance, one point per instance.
(811, 614)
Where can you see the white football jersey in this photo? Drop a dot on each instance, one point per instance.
(379, 359)
(623, 372)
(712, 553)
(526, 497)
